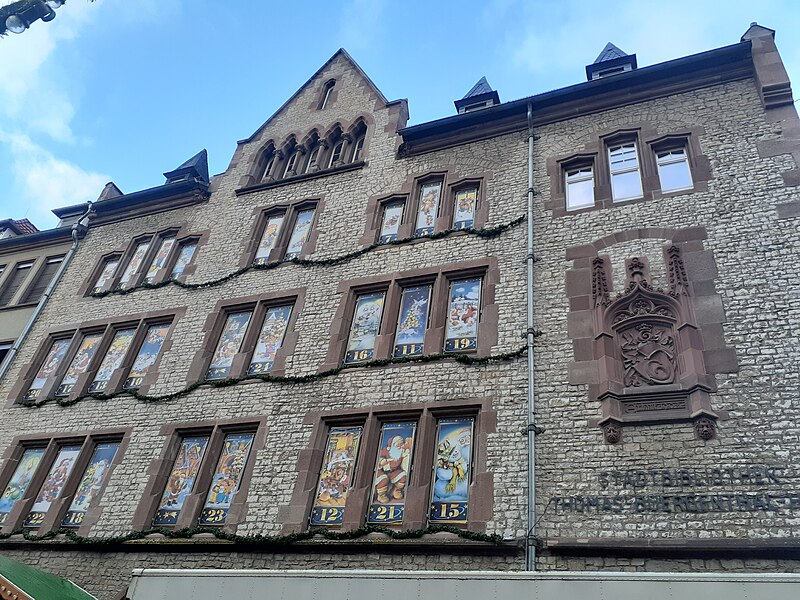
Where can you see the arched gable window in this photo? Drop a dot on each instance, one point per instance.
(314, 147)
(266, 163)
(358, 133)
(337, 142)
(293, 152)
(327, 90)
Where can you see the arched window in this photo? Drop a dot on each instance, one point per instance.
(313, 146)
(336, 154)
(358, 134)
(336, 142)
(266, 162)
(291, 164)
(326, 93)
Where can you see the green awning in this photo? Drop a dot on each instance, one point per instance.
(40, 585)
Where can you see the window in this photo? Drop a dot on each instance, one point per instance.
(257, 345)
(280, 241)
(43, 279)
(291, 164)
(312, 165)
(64, 493)
(103, 281)
(358, 148)
(626, 183)
(463, 311)
(160, 259)
(326, 93)
(4, 348)
(269, 238)
(673, 170)
(185, 254)
(580, 187)
(210, 466)
(98, 359)
(134, 265)
(364, 327)
(335, 158)
(465, 202)
(412, 320)
(14, 282)
(302, 227)
(390, 223)
(428, 207)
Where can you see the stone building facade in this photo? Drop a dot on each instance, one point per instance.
(666, 361)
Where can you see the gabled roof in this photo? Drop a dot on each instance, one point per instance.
(610, 52)
(340, 52)
(19, 226)
(482, 87)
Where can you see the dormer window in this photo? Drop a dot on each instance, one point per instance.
(326, 94)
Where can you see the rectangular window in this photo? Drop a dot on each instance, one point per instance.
(14, 282)
(134, 265)
(392, 470)
(452, 471)
(53, 485)
(50, 365)
(20, 481)
(181, 480)
(412, 321)
(227, 478)
(185, 255)
(365, 327)
(580, 188)
(147, 355)
(80, 363)
(428, 208)
(390, 225)
(464, 209)
(336, 475)
(229, 344)
(269, 239)
(92, 481)
(270, 339)
(113, 359)
(43, 279)
(673, 170)
(302, 227)
(463, 314)
(160, 259)
(626, 183)
(106, 275)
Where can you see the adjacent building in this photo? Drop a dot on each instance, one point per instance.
(317, 358)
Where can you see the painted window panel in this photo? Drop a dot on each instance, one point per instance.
(147, 355)
(412, 321)
(428, 208)
(302, 227)
(464, 209)
(53, 485)
(392, 471)
(49, 366)
(673, 170)
(106, 275)
(392, 218)
(229, 344)
(160, 259)
(463, 314)
(20, 481)
(580, 188)
(227, 478)
(134, 265)
(113, 359)
(270, 339)
(269, 239)
(452, 471)
(365, 327)
(181, 480)
(184, 258)
(91, 483)
(336, 476)
(80, 362)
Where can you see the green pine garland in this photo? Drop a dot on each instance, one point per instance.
(488, 232)
(463, 359)
(255, 540)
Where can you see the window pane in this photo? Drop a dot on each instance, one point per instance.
(49, 367)
(412, 321)
(580, 193)
(230, 342)
(673, 171)
(20, 481)
(464, 211)
(53, 486)
(227, 478)
(364, 328)
(147, 356)
(462, 316)
(452, 471)
(392, 217)
(271, 232)
(359, 146)
(181, 480)
(302, 227)
(336, 475)
(106, 275)
(626, 185)
(113, 359)
(43, 279)
(183, 260)
(91, 483)
(270, 339)
(623, 157)
(134, 264)
(15, 280)
(160, 259)
(428, 208)
(392, 469)
(336, 154)
(80, 362)
(312, 159)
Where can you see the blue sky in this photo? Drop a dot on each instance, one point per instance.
(126, 90)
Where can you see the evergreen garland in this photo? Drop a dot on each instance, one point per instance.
(257, 540)
(463, 359)
(488, 232)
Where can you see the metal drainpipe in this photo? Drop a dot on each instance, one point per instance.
(82, 224)
(530, 539)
